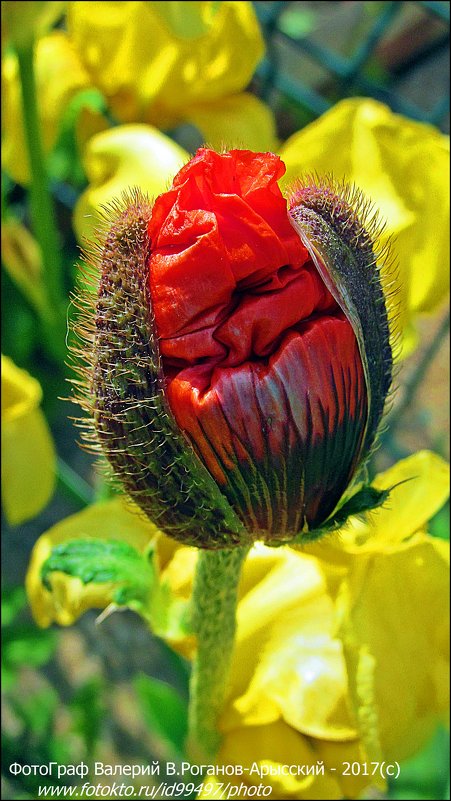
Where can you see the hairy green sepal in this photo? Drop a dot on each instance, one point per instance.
(125, 396)
(335, 224)
(365, 500)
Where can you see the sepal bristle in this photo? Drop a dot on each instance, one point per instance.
(122, 388)
(341, 230)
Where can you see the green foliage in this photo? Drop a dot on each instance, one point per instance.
(296, 21)
(164, 711)
(37, 711)
(132, 577)
(27, 645)
(13, 601)
(32, 731)
(104, 562)
(425, 776)
(64, 162)
(22, 643)
(364, 500)
(88, 710)
(20, 335)
(38, 740)
(440, 524)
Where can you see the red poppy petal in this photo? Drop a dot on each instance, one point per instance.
(222, 229)
(280, 436)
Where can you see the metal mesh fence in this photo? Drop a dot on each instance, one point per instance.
(320, 52)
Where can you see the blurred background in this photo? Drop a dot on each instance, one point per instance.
(70, 693)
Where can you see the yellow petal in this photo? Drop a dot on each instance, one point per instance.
(423, 488)
(398, 611)
(22, 260)
(28, 470)
(271, 747)
(21, 393)
(28, 21)
(180, 571)
(59, 76)
(28, 455)
(335, 755)
(120, 158)
(154, 59)
(70, 598)
(402, 166)
(287, 660)
(390, 581)
(238, 121)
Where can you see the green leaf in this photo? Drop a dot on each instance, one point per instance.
(365, 500)
(297, 22)
(439, 525)
(134, 577)
(88, 708)
(104, 562)
(27, 645)
(14, 600)
(37, 710)
(164, 711)
(64, 163)
(426, 775)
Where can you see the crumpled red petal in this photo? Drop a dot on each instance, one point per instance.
(263, 370)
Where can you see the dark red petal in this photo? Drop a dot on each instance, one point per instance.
(280, 436)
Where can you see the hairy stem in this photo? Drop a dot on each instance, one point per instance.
(74, 484)
(213, 619)
(41, 209)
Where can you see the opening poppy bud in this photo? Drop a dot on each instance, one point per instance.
(241, 356)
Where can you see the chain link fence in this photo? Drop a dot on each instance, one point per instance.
(320, 52)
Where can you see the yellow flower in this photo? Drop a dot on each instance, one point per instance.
(28, 456)
(399, 164)
(326, 647)
(328, 666)
(69, 597)
(59, 77)
(140, 155)
(27, 21)
(402, 167)
(22, 260)
(119, 158)
(158, 63)
(154, 60)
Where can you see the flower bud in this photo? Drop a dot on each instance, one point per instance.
(240, 357)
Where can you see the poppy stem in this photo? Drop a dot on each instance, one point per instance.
(41, 209)
(214, 604)
(75, 486)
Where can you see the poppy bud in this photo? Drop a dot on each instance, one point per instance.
(240, 358)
